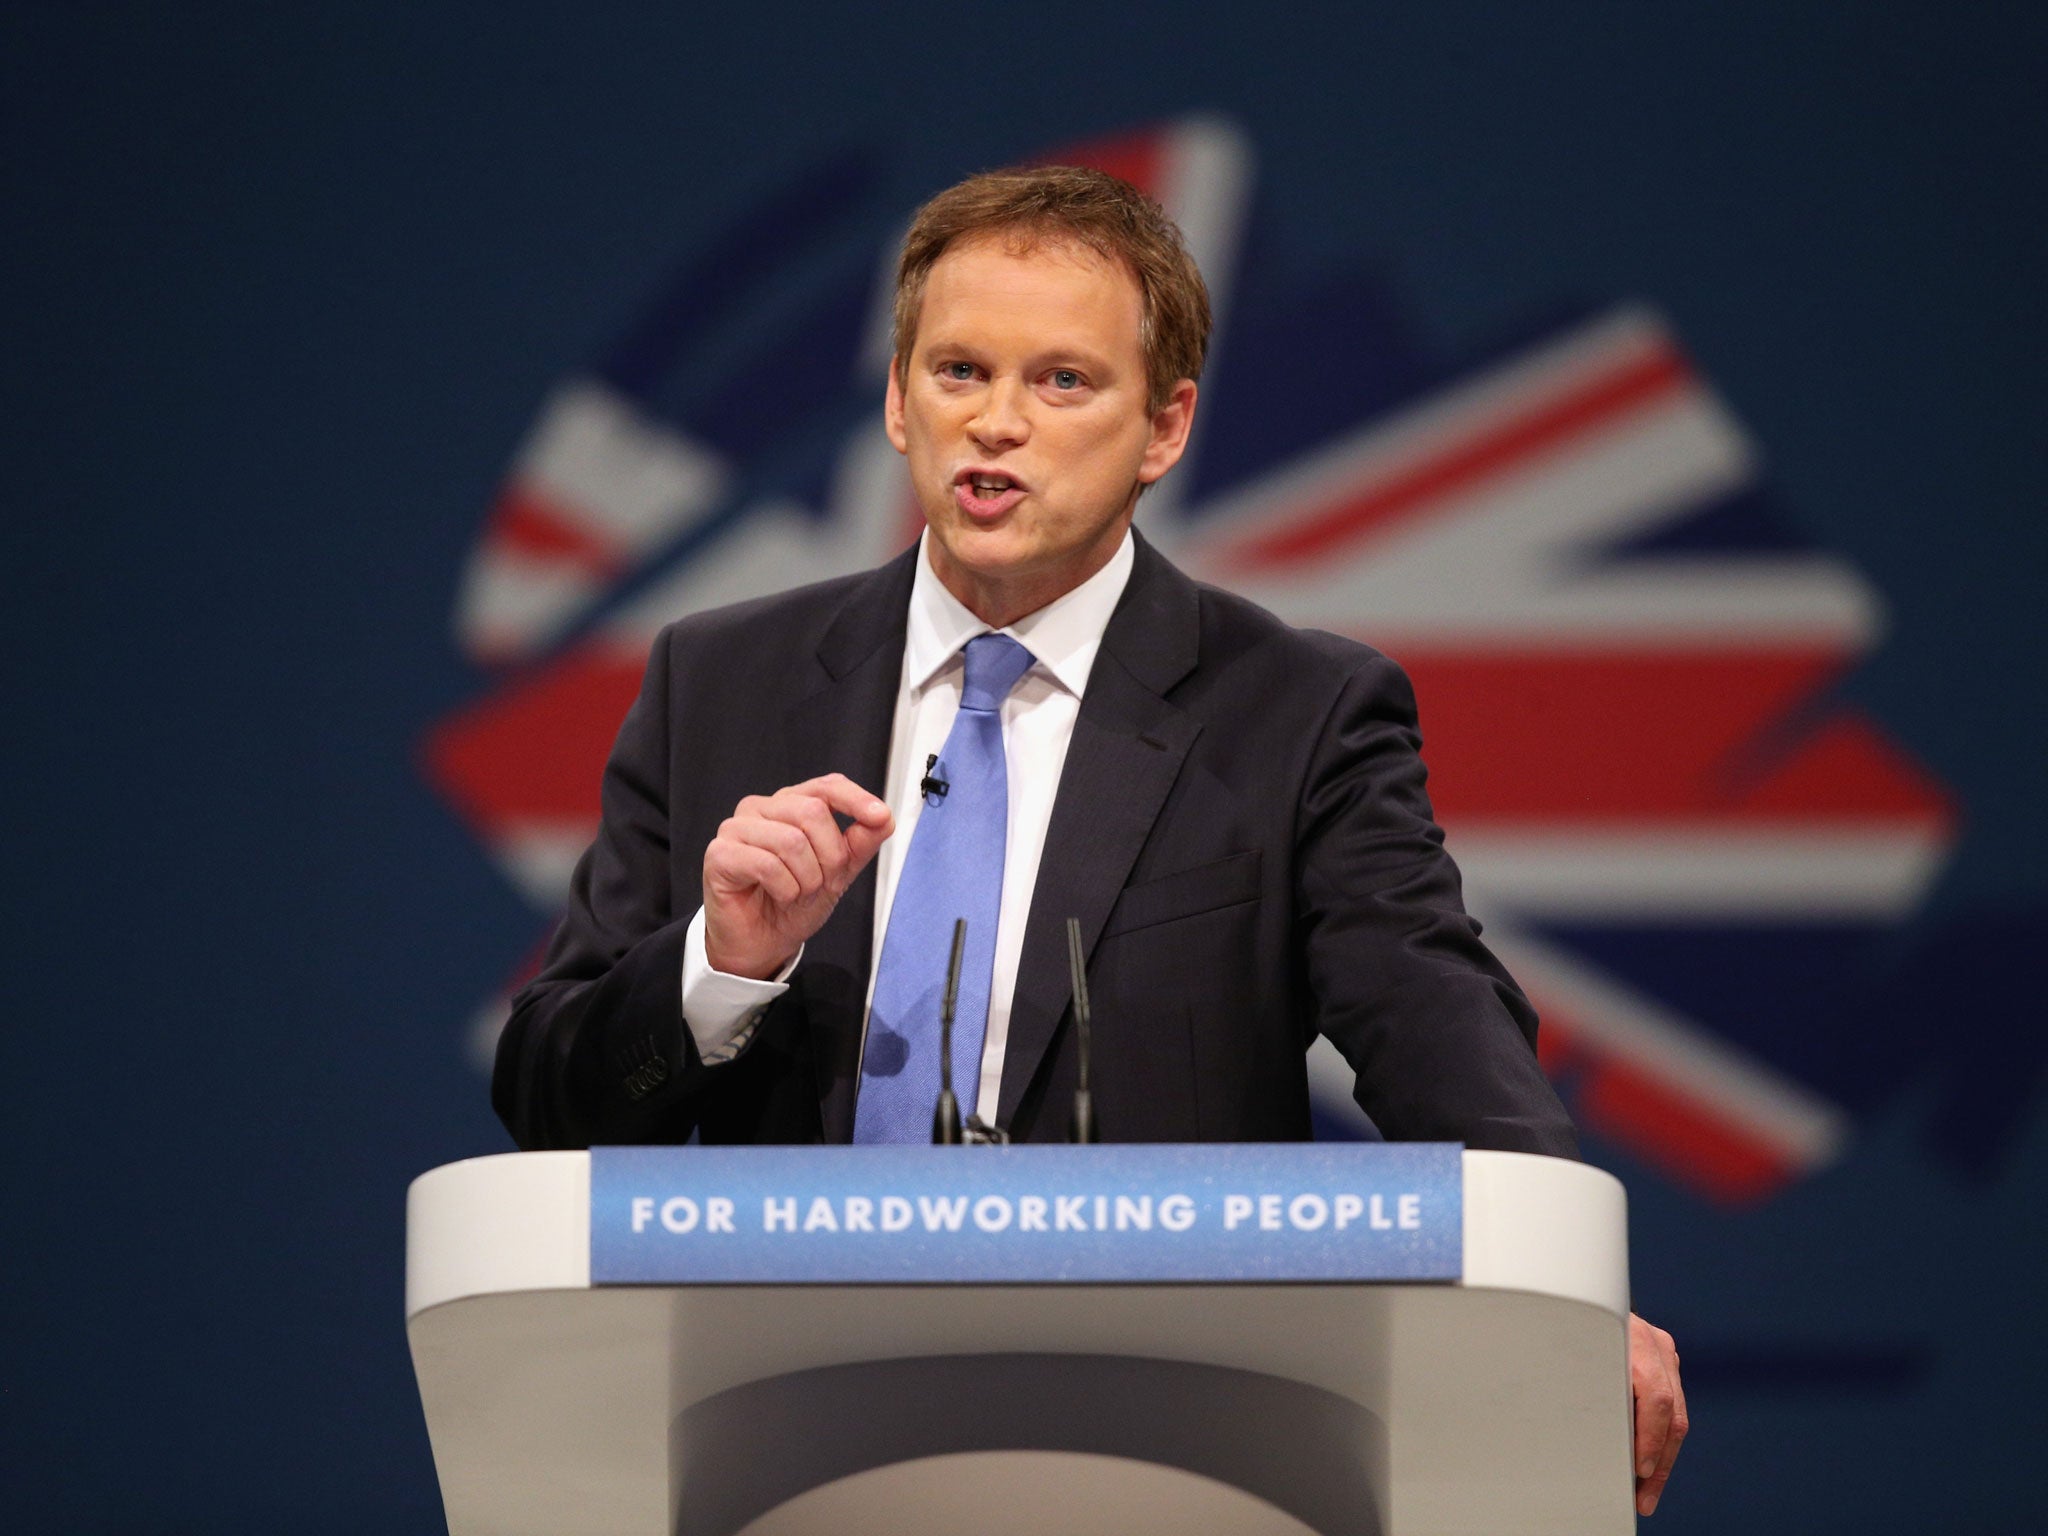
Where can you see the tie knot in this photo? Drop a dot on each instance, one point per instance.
(994, 663)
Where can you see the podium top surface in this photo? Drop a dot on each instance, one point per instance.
(520, 1222)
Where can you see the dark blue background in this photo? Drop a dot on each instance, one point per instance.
(283, 288)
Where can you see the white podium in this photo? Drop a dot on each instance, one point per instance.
(1497, 1406)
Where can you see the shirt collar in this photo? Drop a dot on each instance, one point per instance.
(1062, 637)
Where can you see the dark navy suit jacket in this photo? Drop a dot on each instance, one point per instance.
(1241, 828)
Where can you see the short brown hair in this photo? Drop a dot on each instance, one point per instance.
(1091, 208)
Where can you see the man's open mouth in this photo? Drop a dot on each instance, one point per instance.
(986, 494)
(986, 483)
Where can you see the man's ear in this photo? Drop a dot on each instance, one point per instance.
(1171, 424)
(892, 407)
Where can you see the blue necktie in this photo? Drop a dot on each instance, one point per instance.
(954, 869)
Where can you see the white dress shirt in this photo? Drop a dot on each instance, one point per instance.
(1038, 723)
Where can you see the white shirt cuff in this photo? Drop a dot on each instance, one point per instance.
(722, 1010)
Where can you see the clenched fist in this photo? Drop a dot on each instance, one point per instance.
(778, 867)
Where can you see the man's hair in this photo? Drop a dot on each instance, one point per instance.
(1090, 208)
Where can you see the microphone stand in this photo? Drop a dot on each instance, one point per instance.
(1082, 1129)
(946, 1113)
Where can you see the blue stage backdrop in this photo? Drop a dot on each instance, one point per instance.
(1660, 385)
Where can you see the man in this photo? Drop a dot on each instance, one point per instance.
(1030, 717)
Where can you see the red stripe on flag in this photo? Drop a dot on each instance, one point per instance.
(1556, 1052)
(1585, 735)
(1682, 1137)
(1679, 1136)
(1137, 159)
(537, 526)
(537, 749)
(1850, 767)
(1483, 456)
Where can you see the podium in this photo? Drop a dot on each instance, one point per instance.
(1498, 1404)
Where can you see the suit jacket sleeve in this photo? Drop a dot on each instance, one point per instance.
(1441, 1039)
(596, 1049)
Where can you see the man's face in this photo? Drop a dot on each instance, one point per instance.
(1022, 411)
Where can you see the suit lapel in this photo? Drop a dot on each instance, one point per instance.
(843, 725)
(1126, 752)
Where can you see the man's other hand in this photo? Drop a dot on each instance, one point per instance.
(778, 867)
(1661, 1420)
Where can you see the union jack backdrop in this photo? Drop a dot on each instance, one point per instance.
(1685, 847)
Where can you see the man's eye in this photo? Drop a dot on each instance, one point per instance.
(961, 371)
(1065, 378)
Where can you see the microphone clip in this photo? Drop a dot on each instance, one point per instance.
(931, 786)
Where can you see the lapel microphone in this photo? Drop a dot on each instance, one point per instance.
(946, 1113)
(931, 786)
(1082, 1130)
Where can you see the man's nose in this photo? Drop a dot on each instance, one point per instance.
(1002, 421)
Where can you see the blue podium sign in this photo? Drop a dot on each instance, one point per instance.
(937, 1215)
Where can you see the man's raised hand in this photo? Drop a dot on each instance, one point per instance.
(779, 866)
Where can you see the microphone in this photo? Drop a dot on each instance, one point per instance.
(946, 1113)
(931, 784)
(1082, 1130)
